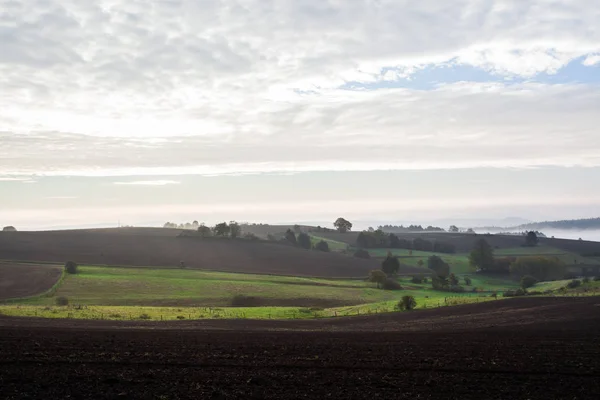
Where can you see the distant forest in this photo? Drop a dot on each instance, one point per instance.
(576, 224)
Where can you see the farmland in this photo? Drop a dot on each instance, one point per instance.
(535, 348)
(25, 280)
(141, 247)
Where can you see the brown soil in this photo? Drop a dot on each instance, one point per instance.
(438, 354)
(24, 280)
(133, 247)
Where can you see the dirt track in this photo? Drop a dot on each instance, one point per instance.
(136, 248)
(555, 355)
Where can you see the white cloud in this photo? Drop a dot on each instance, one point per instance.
(224, 86)
(149, 183)
(592, 60)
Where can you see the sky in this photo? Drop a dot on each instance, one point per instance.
(141, 112)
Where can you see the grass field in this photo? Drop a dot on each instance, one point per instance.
(164, 287)
(435, 299)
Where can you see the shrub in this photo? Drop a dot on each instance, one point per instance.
(407, 303)
(468, 281)
(180, 317)
(304, 241)
(322, 246)
(586, 280)
(575, 283)
(144, 316)
(534, 293)
(71, 267)
(62, 301)
(417, 279)
(457, 289)
(494, 295)
(391, 284)
(116, 316)
(378, 277)
(361, 253)
(528, 281)
(515, 293)
(596, 278)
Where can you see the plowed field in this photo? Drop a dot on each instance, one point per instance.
(523, 349)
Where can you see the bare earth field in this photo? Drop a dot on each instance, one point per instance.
(24, 280)
(530, 348)
(149, 247)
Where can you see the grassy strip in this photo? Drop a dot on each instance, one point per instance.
(196, 313)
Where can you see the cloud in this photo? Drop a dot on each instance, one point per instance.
(223, 86)
(592, 60)
(149, 183)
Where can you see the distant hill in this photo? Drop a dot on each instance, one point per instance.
(161, 247)
(575, 224)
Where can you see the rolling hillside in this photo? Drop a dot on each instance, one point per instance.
(160, 247)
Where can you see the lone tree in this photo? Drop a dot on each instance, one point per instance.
(290, 236)
(342, 225)
(377, 276)
(203, 230)
(235, 230)
(528, 281)
(71, 267)
(221, 229)
(531, 239)
(9, 229)
(438, 266)
(304, 241)
(482, 255)
(322, 246)
(453, 229)
(390, 265)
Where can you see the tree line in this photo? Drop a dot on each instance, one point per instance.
(380, 239)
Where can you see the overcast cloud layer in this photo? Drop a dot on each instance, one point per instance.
(247, 86)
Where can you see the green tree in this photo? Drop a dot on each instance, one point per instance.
(342, 225)
(539, 267)
(438, 266)
(468, 281)
(528, 281)
(304, 241)
(71, 267)
(482, 255)
(531, 239)
(203, 230)
(290, 236)
(322, 246)
(453, 280)
(235, 230)
(221, 229)
(390, 265)
(377, 276)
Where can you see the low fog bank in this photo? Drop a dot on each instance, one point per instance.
(574, 234)
(592, 235)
